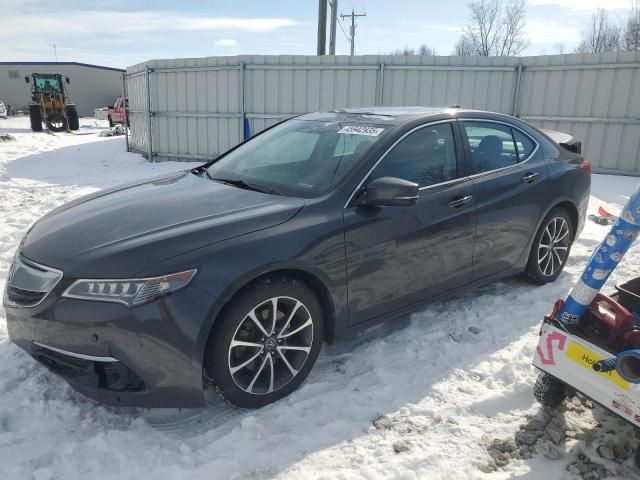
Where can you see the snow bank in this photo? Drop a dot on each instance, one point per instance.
(444, 395)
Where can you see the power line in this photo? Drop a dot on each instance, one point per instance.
(352, 30)
(343, 31)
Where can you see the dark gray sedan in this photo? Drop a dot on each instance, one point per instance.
(231, 275)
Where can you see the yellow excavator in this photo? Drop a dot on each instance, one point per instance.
(49, 104)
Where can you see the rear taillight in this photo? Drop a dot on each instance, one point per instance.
(586, 166)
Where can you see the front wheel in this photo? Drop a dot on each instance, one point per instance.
(72, 117)
(265, 342)
(56, 122)
(551, 247)
(35, 117)
(549, 391)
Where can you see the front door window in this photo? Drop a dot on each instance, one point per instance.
(426, 156)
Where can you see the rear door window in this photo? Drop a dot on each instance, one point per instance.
(492, 146)
(524, 144)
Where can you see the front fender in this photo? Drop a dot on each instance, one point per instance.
(311, 244)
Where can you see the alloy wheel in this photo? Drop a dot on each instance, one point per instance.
(270, 345)
(554, 246)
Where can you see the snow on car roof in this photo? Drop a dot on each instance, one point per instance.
(388, 115)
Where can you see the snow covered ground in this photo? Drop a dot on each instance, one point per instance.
(447, 394)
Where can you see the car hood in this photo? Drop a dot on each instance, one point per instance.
(118, 232)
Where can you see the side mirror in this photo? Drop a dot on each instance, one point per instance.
(391, 191)
(26, 79)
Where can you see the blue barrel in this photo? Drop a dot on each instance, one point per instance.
(603, 261)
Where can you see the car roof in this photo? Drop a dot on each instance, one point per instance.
(393, 115)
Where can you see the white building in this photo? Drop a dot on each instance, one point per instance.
(91, 86)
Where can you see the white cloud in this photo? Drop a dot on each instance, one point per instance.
(133, 22)
(233, 23)
(551, 31)
(225, 42)
(584, 4)
(45, 53)
(445, 28)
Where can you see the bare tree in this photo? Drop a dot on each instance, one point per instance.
(464, 47)
(424, 50)
(600, 35)
(482, 32)
(495, 27)
(513, 36)
(632, 29)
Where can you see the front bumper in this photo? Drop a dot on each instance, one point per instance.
(142, 357)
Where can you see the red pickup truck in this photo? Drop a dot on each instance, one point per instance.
(115, 114)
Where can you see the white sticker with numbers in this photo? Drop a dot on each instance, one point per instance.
(361, 130)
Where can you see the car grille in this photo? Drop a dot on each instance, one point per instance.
(24, 298)
(29, 283)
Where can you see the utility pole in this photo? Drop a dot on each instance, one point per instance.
(55, 52)
(352, 30)
(332, 28)
(322, 27)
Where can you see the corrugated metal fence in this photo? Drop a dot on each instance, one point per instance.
(196, 108)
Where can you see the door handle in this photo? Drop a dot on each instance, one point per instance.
(459, 201)
(530, 177)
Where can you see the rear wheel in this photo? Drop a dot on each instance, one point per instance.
(72, 117)
(35, 117)
(265, 342)
(110, 121)
(551, 247)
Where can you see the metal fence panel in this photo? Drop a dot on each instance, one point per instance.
(137, 93)
(592, 96)
(198, 105)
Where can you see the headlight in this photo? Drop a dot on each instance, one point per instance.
(130, 292)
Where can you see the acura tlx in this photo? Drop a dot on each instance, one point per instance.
(230, 275)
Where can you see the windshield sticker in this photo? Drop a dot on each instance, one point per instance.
(361, 130)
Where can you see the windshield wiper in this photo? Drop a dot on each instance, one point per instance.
(236, 182)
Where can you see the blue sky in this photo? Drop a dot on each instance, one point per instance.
(123, 32)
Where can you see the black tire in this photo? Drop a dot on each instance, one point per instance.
(56, 122)
(110, 121)
(549, 391)
(35, 117)
(72, 117)
(537, 271)
(235, 324)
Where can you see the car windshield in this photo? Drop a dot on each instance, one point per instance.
(298, 157)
